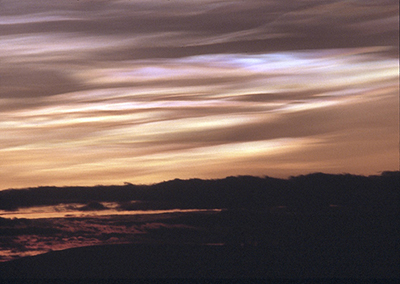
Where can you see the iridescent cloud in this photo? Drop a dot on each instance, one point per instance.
(137, 91)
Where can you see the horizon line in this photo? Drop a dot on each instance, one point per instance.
(126, 183)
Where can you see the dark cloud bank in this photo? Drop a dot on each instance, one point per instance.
(307, 192)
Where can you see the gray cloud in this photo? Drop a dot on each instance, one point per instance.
(205, 27)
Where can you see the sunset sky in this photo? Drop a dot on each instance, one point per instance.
(106, 92)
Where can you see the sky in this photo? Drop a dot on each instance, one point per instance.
(106, 92)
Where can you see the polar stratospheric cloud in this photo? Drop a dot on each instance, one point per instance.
(102, 92)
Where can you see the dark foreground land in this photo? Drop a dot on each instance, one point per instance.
(203, 261)
(288, 247)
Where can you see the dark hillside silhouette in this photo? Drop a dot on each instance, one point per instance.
(309, 193)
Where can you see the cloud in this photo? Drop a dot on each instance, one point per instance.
(20, 237)
(93, 206)
(185, 194)
(93, 90)
(205, 25)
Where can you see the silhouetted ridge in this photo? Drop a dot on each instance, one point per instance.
(313, 192)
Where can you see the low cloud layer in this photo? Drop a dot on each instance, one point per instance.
(112, 91)
(23, 237)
